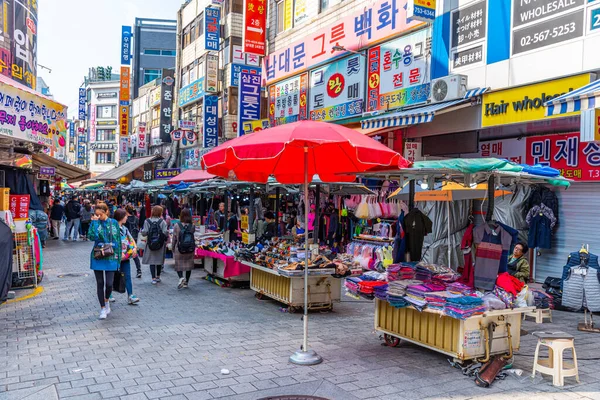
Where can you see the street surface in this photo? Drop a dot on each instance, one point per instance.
(174, 344)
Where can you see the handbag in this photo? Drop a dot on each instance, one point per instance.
(119, 282)
(103, 250)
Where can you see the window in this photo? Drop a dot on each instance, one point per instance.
(325, 4)
(238, 6)
(106, 111)
(285, 17)
(105, 158)
(156, 52)
(280, 16)
(105, 135)
(200, 25)
(186, 37)
(151, 74)
(193, 32)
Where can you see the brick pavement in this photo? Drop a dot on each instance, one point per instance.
(174, 344)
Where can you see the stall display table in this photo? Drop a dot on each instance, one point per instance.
(461, 339)
(323, 290)
(224, 270)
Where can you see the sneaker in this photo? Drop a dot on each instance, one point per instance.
(103, 313)
(154, 281)
(185, 284)
(158, 279)
(107, 308)
(139, 274)
(181, 283)
(133, 299)
(111, 299)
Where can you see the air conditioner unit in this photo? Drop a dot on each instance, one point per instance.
(370, 114)
(450, 87)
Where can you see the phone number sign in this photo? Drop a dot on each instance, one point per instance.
(575, 159)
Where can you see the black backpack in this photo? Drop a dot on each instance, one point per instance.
(186, 243)
(156, 237)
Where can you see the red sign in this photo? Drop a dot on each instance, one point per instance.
(336, 85)
(19, 205)
(576, 160)
(255, 26)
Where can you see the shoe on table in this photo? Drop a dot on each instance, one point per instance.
(103, 313)
(133, 299)
(181, 283)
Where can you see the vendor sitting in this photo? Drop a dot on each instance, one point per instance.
(518, 265)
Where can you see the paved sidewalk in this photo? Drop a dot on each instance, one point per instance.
(174, 344)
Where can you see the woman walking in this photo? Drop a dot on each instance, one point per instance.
(106, 254)
(155, 229)
(86, 217)
(128, 250)
(184, 246)
(133, 224)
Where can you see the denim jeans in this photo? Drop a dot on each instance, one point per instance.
(74, 223)
(126, 269)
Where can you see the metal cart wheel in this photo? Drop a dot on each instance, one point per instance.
(390, 340)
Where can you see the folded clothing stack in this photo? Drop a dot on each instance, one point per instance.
(423, 274)
(447, 277)
(351, 285)
(366, 289)
(437, 300)
(398, 288)
(459, 288)
(381, 291)
(464, 307)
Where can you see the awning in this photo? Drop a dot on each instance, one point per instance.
(191, 175)
(67, 171)
(127, 168)
(584, 98)
(418, 115)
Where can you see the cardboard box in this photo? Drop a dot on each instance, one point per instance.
(4, 199)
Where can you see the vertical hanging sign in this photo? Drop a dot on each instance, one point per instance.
(212, 28)
(82, 94)
(124, 101)
(249, 99)
(255, 26)
(166, 105)
(211, 122)
(125, 45)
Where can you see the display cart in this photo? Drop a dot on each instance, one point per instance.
(323, 290)
(460, 339)
(224, 270)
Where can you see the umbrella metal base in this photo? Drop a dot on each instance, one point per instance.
(306, 358)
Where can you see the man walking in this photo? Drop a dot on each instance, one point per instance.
(56, 214)
(73, 218)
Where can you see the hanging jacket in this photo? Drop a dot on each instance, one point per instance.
(468, 274)
(582, 289)
(574, 260)
(399, 252)
(543, 195)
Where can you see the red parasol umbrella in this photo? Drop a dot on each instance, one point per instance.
(293, 154)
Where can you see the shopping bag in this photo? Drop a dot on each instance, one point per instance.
(141, 242)
(119, 282)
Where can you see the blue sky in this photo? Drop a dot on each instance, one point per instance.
(74, 35)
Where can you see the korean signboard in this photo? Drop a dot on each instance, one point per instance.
(125, 81)
(142, 140)
(167, 173)
(373, 23)
(249, 99)
(186, 124)
(235, 73)
(398, 72)
(421, 10)
(525, 104)
(210, 127)
(288, 100)
(192, 92)
(255, 126)
(469, 24)
(300, 13)
(191, 158)
(336, 90)
(510, 149)
(255, 26)
(71, 136)
(25, 116)
(212, 28)
(81, 152)
(166, 104)
(18, 48)
(19, 205)
(82, 99)
(239, 57)
(123, 149)
(124, 101)
(125, 45)
(48, 171)
(576, 160)
(412, 151)
(212, 73)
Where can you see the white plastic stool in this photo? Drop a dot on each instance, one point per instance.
(539, 314)
(557, 343)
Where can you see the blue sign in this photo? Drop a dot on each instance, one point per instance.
(71, 132)
(192, 92)
(248, 99)
(212, 28)
(82, 99)
(81, 153)
(237, 68)
(595, 22)
(211, 122)
(125, 45)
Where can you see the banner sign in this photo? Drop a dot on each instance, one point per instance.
(509, 149)
(49, 171)
(255, 27)
(212, 28)
(125, 45)
(123, 149)
(72, 136)
(336, 90)
(255, 126)
(287, 100)
(248, 99)
(191, 158)
(371, 24)
(167, 173)
(186, 125)
(210, 127)
(166, 104)
(82, 100)
(211, 74)
(142, 141)
(124, 98)
(239, 57)
(421, 10)
(237, 68)
(81, 151)
(19, 205)
(575, 159)
(300, 13)
(398, 72)
(192, 92)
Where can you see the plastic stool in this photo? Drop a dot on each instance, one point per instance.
(539, 315)
(557, 343)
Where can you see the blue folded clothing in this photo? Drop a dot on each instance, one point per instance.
(465, 301)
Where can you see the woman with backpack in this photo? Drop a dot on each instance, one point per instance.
(128, 250)
(155, 229)
(133, 224)
(106, 254)
(184, 247)
(86, 217)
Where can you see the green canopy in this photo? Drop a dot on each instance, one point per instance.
(470, 165)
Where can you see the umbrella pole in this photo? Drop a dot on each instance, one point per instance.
(449, 233)
(305, 356)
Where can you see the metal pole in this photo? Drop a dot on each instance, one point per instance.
(304, 356)
(251, 211)
(449, 233)
(317, 214)
(277, 205)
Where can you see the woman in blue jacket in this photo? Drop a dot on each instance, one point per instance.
(105, 232)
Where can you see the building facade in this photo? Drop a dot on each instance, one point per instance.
(154, 49)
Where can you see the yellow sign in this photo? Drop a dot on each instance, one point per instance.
(244, 223)
(597, 124)
(525, 104)
(124, 99)
(289, 15)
